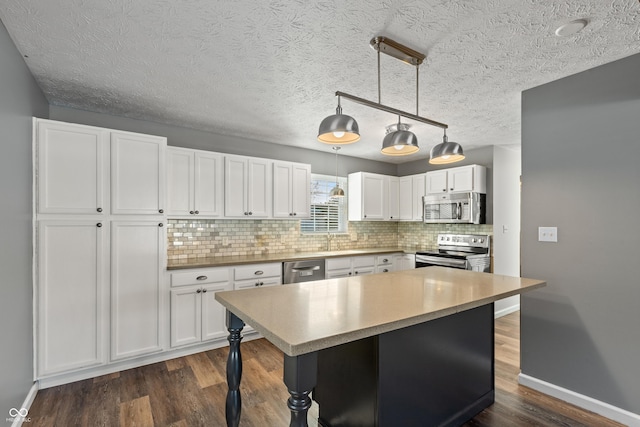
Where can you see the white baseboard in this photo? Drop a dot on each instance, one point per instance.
(17, 421)
(507, 310)
(606, 410)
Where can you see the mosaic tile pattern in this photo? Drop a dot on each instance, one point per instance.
(206, 238)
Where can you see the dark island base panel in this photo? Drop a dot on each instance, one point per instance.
(437, 373)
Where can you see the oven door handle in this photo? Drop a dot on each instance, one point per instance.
(441, 261)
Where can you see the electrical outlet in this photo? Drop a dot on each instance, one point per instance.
(548, 234)
(225, 241)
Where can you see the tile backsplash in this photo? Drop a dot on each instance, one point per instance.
(189, 238)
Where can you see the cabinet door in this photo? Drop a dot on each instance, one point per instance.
(186, 311)
(208, 184)
(405, 262)
(282, 190)
(418, 193)
(259, 190)
(437, 182)
(406, 198)
(70, 295)
(213, 313)
(235, 186)
(301, 190)
(373, 197)
(137, 173)
(394, 199)
(180, 181)
(460, 179)
(137, 254)
(71, 168)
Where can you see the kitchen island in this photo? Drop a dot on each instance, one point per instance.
(414, 347)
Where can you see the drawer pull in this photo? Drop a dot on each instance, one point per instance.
(259, 273)
(385, 260)
(201, 278)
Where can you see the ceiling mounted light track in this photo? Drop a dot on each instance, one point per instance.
(343, 129)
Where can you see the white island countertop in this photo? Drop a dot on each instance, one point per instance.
(306, 317)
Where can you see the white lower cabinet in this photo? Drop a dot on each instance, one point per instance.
(70, 295)
(137, 258)
(384, 263)
(195, 314)
(350, 266)
(404, 262)
(257, 275)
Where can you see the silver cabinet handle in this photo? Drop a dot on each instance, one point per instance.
(99, 225)
(204, 291)
(191, 212)
(161, 225)
(201, 278)
(250, 213)
(259, 273)
(385, 260)
(385, 270)
(161, 210)
(197, 212)
(198, 291)
(314, 268)
(99, 209)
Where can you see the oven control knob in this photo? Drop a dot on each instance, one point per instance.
(473, 240)
(448, 238)
(481, 240)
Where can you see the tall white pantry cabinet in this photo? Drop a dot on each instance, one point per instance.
(100, 245)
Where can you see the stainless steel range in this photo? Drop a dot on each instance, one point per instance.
(463, 251)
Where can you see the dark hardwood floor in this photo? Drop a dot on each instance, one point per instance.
(190, 391)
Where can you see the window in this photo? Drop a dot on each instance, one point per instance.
(328, 214)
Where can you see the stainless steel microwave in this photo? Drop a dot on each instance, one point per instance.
(469, 208)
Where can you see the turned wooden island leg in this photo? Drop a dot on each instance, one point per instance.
(234, 370)
(300, 377)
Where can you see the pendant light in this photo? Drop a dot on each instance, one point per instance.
(399, 141)
(446, 152)
(336, 191)
(339, 128)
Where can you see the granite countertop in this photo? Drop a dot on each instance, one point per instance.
(277, 257)
(306, 317)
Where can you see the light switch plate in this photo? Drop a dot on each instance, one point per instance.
(548, 234)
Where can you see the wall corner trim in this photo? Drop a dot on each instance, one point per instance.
(18, 421)
(506, 310)
(606, 410)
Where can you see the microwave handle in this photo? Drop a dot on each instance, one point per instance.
(459, 210)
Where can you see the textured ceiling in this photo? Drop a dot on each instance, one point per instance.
(268, 70)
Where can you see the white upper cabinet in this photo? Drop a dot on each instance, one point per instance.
(456, 180)
(412, 189)
(247, 187)
(194, 183)
(368, 196)
(72, 168)
(291, 190)
(91, 170)
(393, 200)
(137, 173)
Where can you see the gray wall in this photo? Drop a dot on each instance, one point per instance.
(581, 173)
(321, 161)
(20, 98)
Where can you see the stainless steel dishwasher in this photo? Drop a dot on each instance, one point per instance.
(302, 271)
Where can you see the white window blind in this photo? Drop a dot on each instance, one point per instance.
(328, 214)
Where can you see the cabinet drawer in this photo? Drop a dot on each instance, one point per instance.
(255, 283)
(200, 276)
(255, 271)
(338, 263)
(364, 261)
(386, 259)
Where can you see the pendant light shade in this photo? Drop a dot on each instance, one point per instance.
(339, 128)
(336, 191)
(446, 152)
(399, 141)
